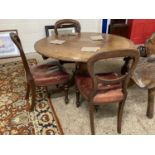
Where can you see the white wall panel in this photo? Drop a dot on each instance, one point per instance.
(31, 30)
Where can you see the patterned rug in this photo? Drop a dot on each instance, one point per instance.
(15, 119)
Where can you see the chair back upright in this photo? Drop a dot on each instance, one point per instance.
(123, 78)
(61, 23)
(15, 38)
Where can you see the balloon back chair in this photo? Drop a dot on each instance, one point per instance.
(61, 23)
(62, 26)
(104, 88)
(67, 22)
(45, 74)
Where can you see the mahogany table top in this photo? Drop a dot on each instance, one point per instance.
(71, 49)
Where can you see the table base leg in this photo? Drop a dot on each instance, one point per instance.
(150, 106)
(125, 66)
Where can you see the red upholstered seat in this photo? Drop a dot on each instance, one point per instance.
(105, 94)
(49, 74)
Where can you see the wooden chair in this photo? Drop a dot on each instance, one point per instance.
(144, 77)
(45, 74)
(105, 88)
(144, 73)
(49, 30)
(67, 22)
(150, 44)
(61, 23)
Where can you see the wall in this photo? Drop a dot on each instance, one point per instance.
(31, 30)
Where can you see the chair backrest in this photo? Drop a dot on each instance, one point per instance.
(48, 30)
(15, 38)
(64, 22)
(122, 78)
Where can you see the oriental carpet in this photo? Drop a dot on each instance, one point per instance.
(15, 118)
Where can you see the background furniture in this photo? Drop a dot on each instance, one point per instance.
(64, 26)
(65, 22)
(150, 44)
(118, 27)
(104, 88)
(149, 47)
(140, 29)
(144, 77)
(144, 73)
(45, 74)
(49, 29)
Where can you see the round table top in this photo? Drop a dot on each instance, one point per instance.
(70, 50)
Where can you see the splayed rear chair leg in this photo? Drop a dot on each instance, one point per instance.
(91, 115)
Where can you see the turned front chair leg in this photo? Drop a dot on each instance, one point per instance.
(119, 116)
(150, 105)
(66, 89)
(91, 116)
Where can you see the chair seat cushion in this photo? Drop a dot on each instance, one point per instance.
(50, 73)
(105, 93)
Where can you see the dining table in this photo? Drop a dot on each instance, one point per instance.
(71, 48)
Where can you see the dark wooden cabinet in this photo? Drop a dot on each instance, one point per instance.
(117, 21)
(118, 27)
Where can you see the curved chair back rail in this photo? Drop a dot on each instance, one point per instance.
(74, 23)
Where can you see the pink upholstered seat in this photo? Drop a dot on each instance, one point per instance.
(105, 94)
(49, 74)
